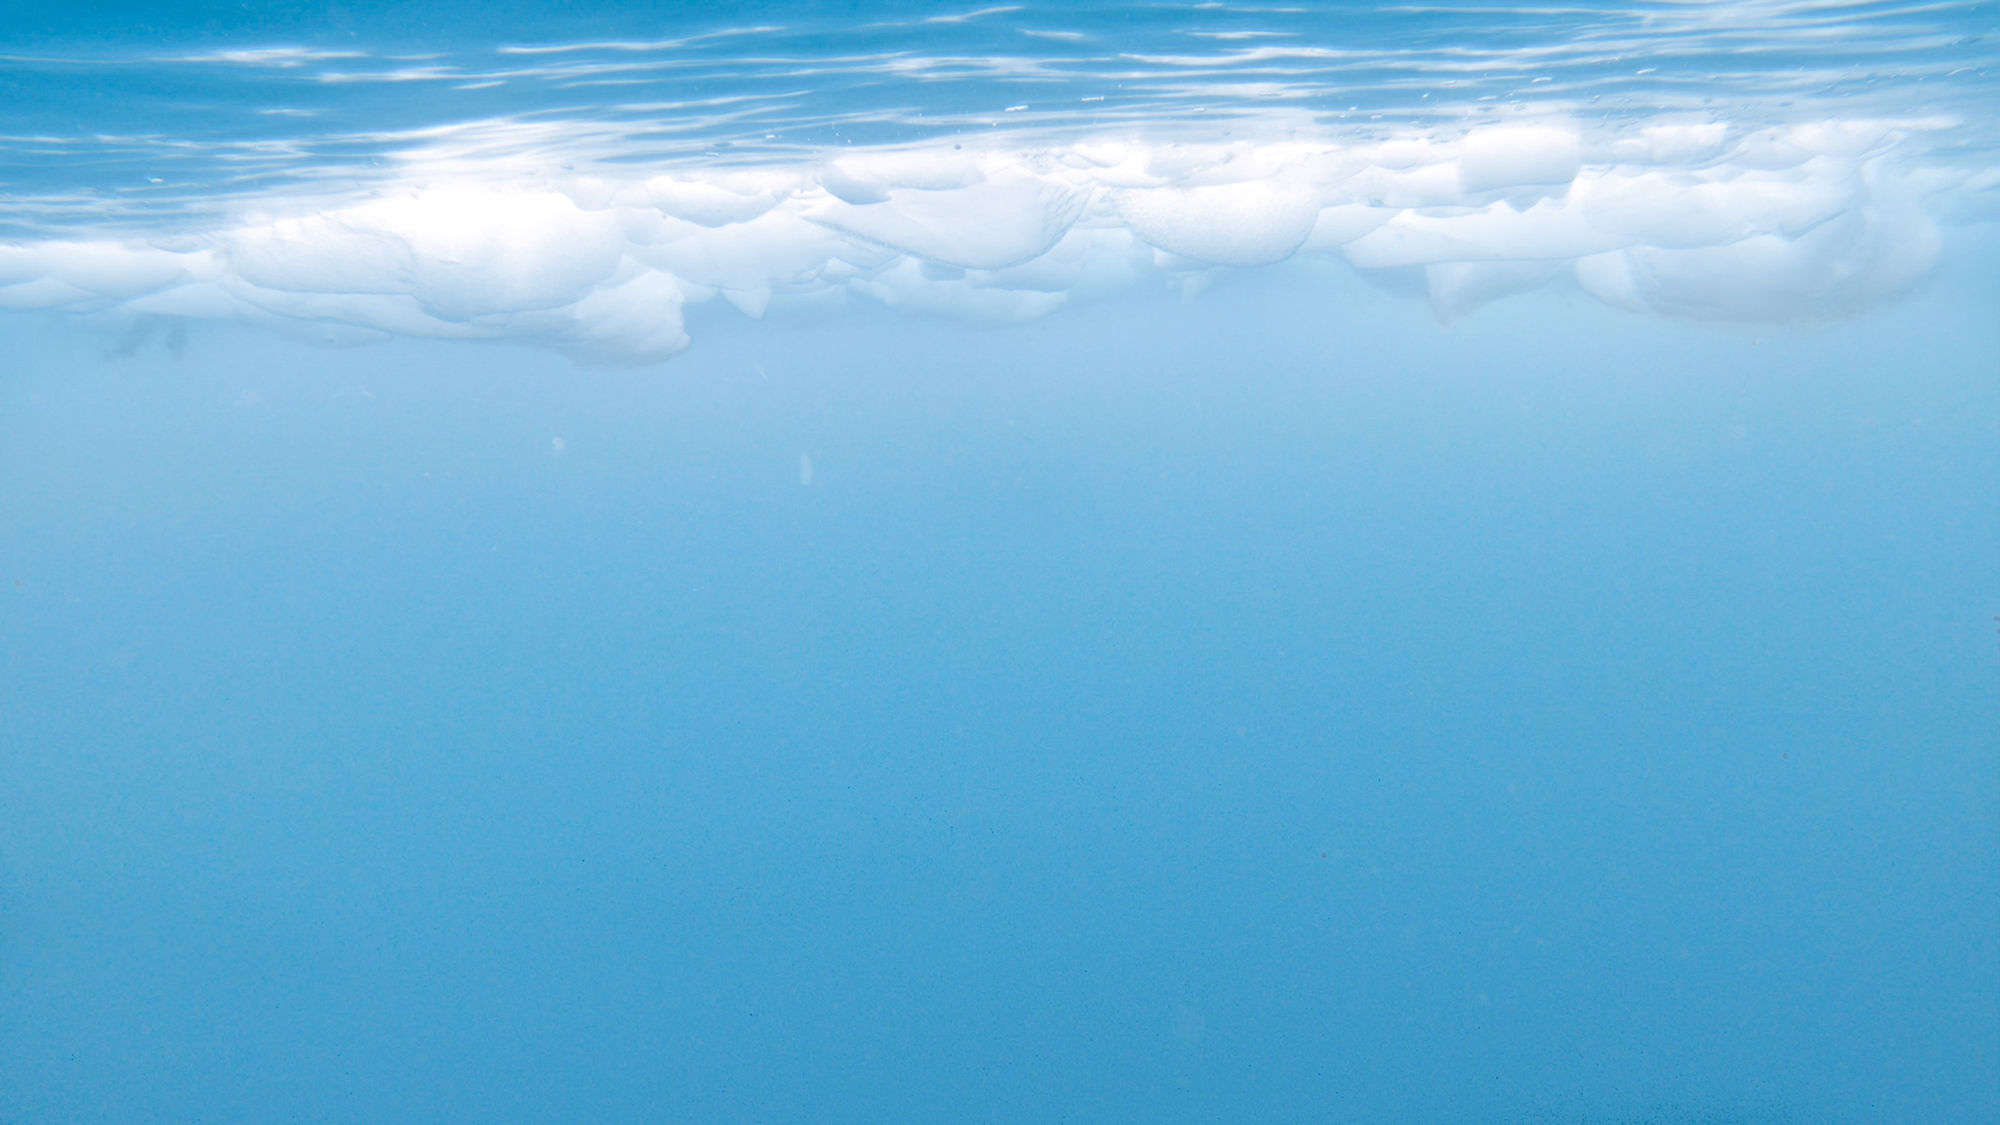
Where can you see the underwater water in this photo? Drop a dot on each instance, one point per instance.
(922, 563)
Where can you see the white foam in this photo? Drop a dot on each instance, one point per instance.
(1690, 219)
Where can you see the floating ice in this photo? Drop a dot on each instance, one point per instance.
(1696, 220)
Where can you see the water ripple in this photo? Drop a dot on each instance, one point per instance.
(118, 135)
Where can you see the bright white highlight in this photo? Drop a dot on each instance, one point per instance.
(1693, 220)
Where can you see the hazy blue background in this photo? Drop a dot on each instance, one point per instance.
(1277, 710)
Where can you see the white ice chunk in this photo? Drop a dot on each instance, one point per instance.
(905, 287)
(1682, 144)
(634, 323)
(750, 302)
(869, 177)
(1457, 288)
(1549, 229)
(461, 253)
(715, 202)
(44, 293)
(1503, 158)
(1087, 262)
(1245, 224)
(1337, 226)
(1000, 221)
(1839, 269)
(775, 250)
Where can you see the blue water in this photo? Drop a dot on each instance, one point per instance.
(1232, 697)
